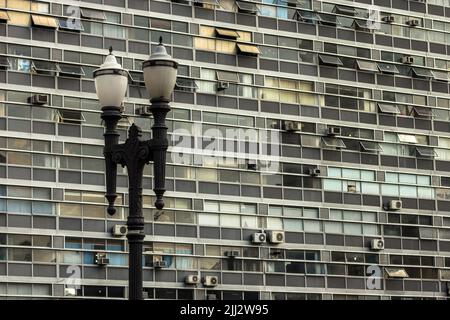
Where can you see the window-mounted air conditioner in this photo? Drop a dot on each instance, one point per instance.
(222, 85)
(192, 279)
(210, 281)
(377, 244)
(101, 259)
(407, 60)
(334, 131)
(276, 237)
(258, 238)
(39, 99)
(395, 205)
(120, 230)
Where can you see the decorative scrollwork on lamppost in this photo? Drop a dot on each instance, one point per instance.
(111, 81)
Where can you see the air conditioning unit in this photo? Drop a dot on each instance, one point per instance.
(388, 19)
(377, 244)
(314, 172)
(276, 237)
(101, 259)
(395, 205)
(143, 111)
(210, 281)
(258, 238)
(334, 131)
(222, 85)
(192, 279)
(39, 99)
(351, 188)
(232, 253)
(159, 264)
(275, 125)
(292, 126)
(251, 166)
(407, 60)
(211, 296)
(413, 23)
(120, 230)
(70, 292)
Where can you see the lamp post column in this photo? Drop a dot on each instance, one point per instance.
(135, 224)
(134, 154)
(159, 108)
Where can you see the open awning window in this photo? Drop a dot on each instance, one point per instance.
(445, 275)
(4, 62)
(330, 60)
(248, 49)
(124, 122)
(93, 14)
(367, 65)
(360, 25)
(407, 138)
(440, 75)
(370, 146)
(422, 73)
(396, 273)
(330, 142)
(44, 21)
(388, 108)
(71, 24)
(427, 233)
(227, 76)
(71, 116)
(209, 2)
(348, 11)
(305, 16)
(246, 7)
(71, 70)
(328, 19)
(226, 33)
(136, 77)
(186, 84)
(423, 112)
(44, 66)
(388, 68)
(426, 152)
(4, 16)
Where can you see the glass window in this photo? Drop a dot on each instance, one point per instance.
(389, 190)
(249, 222)
(332, 185)
(22, 255)
(352, 228)
(275, 223)
(312, 226)
(293, 225)
(208, 219)
(232, 221)
(333, 227)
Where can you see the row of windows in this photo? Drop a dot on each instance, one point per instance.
(172, 250)
(162, 24)
(217, 264)
(282, 90)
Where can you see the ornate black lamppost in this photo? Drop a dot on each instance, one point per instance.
(160, 73)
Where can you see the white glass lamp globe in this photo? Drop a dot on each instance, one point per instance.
(111, 82)
(160, 73)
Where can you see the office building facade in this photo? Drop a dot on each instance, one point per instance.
(309, 159)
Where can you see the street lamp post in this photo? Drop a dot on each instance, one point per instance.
(160, 73)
